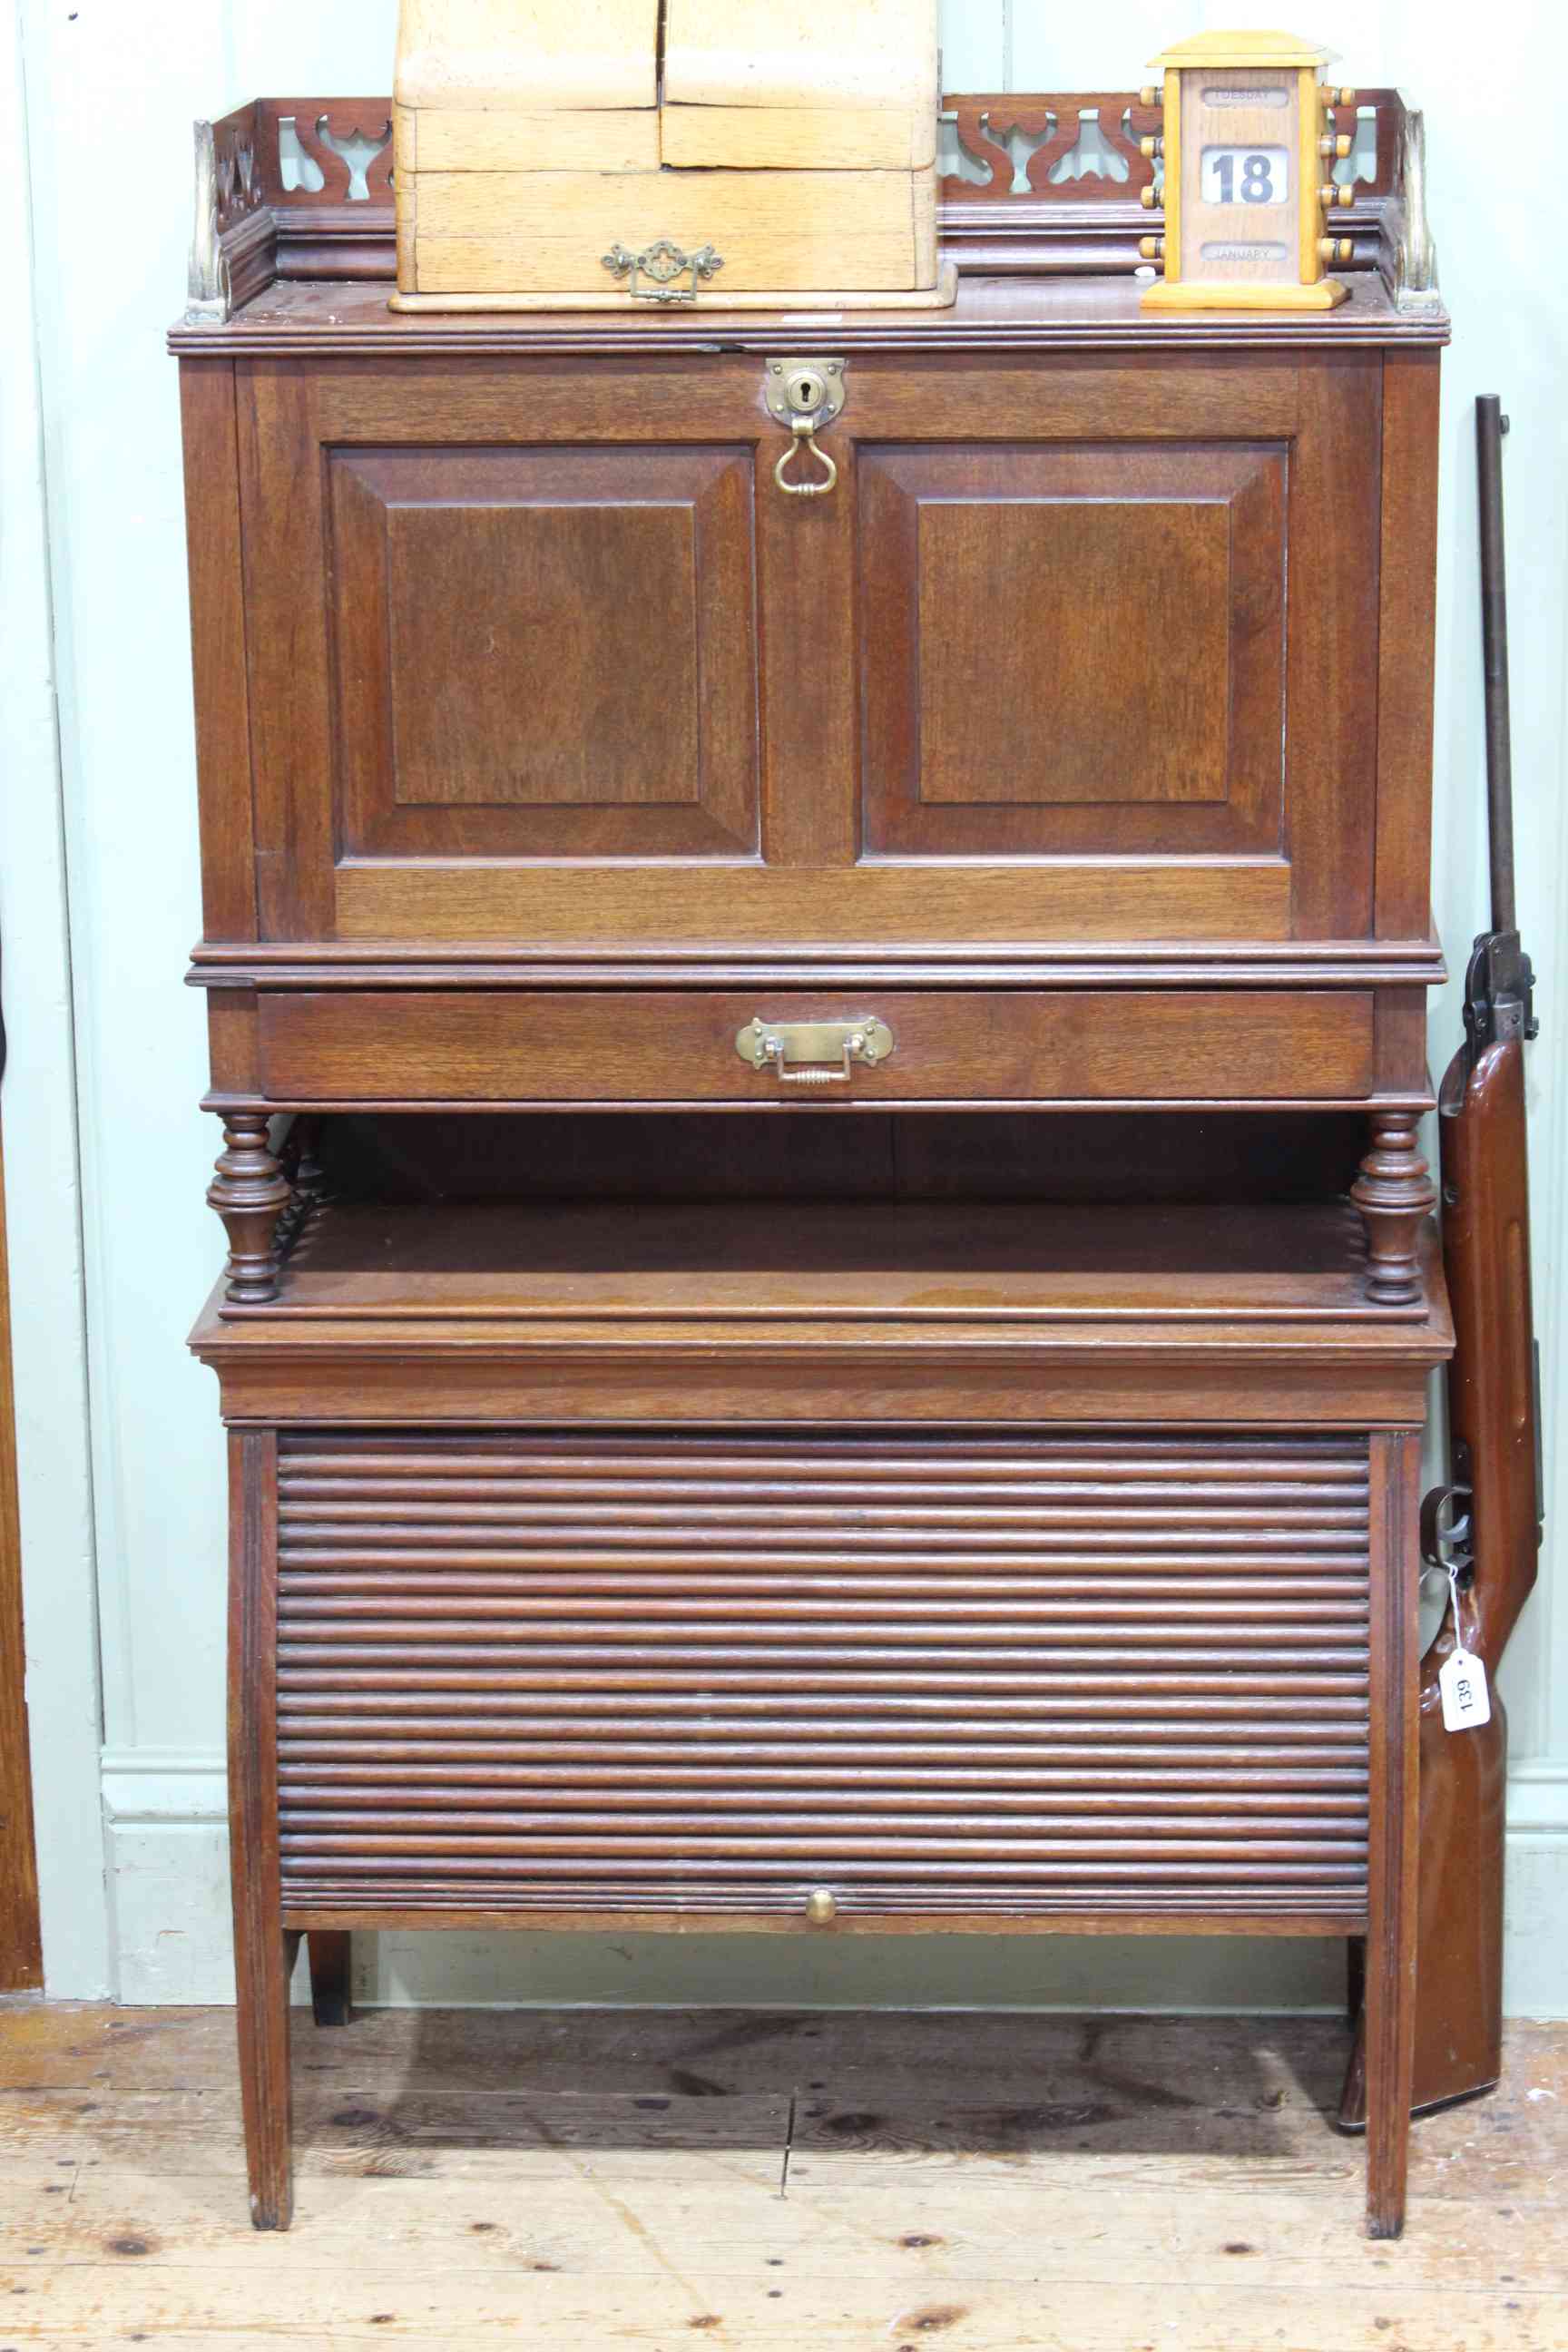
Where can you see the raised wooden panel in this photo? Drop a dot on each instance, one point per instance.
(1073, 648)
(650, 1046)
(702, 1672)
(1065, 737)
(524, 707)
(545, 653)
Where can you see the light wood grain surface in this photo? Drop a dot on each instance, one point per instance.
(527, 53)
(753, 53)
(591, 2179)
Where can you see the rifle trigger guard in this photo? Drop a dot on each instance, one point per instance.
(1445, 1531)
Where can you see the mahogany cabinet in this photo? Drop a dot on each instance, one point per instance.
(1084, 727)
(893, 1518)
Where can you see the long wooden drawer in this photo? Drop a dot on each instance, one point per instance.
(700, 1672)
(395, 1046)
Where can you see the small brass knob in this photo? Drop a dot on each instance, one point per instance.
(1150, 148)
(1148, 199)
(1343, 96)
(822, 1906)
(1347, 248)
(1148, 97)
(1339, 147)
(1153, 248)
(1328, 249)
(1330, 193)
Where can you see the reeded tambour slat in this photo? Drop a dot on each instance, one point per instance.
(655, 1673)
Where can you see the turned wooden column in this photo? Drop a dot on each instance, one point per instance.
(249, 1192)
(1395, 1194)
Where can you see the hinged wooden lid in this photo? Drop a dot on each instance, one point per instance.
(865, 53)
(528, 56)
(749, 84)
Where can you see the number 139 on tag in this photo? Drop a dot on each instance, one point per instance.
(1462, 1683)
(1245, 176)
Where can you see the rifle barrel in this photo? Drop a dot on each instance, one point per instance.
(1491, 426)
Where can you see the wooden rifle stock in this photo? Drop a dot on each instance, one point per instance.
(1487, 1525)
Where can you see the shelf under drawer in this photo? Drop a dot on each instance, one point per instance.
(835, 1262)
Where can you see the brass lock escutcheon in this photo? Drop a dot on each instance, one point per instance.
(815, 1053)
(662, 272)
(806, 395)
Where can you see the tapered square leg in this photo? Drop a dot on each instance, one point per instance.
(331, 1987)
(263, 1953)
(1390, 2004)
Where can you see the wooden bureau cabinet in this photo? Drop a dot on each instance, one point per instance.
(944, 1453)
(1084, 726)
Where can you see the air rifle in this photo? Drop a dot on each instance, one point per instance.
(1483, 1528)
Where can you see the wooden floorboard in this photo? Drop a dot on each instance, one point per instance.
(652, 2179)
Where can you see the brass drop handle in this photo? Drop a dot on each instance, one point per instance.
(806, 395)
(805, 431)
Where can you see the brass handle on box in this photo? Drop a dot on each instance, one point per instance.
(805, 431)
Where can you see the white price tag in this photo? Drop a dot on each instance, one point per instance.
(1466, 1704)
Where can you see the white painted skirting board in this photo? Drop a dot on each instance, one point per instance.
(167, 1837)
(166, 1818)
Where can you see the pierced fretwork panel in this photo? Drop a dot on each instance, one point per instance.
(316, 151)
(1082, 146)
(1062, 147)
(238, 186)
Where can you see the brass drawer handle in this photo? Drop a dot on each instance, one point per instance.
(814, 1053)
(822, 1906)
(663, 266)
